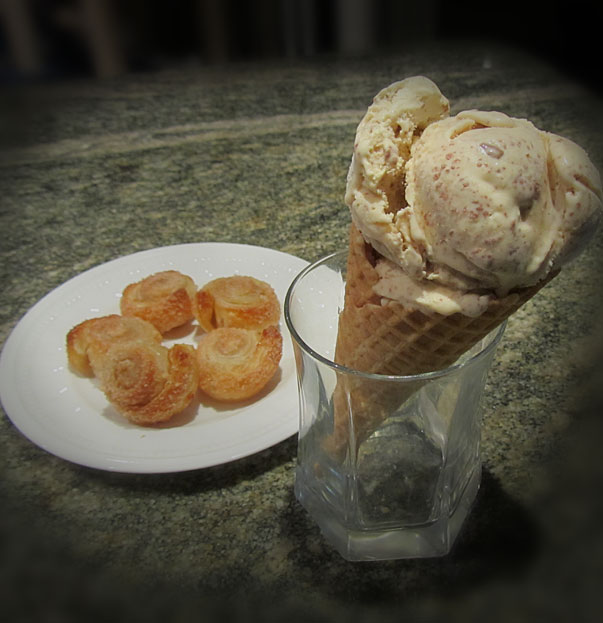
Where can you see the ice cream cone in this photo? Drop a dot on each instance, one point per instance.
(387, 338)
(447, 212)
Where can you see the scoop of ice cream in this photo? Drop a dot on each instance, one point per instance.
(494, 202)
(375, 184)
(480, 204)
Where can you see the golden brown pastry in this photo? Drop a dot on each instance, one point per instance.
(164, 299)
(146, 382)
(237, 301)
(235, 364)
(93, 337)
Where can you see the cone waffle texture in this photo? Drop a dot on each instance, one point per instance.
(387, 338)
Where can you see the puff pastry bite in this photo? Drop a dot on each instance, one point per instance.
(235, 363)
(164, 299)
(147, 382)
(92, 338)
(237, 301)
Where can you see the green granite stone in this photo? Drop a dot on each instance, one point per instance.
(258, 154)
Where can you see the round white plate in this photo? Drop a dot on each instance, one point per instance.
(68, 415)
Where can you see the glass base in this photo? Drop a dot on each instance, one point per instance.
(428, 540)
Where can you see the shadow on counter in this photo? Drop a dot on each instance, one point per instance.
(499, 539)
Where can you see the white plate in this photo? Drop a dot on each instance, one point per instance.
(69, 416)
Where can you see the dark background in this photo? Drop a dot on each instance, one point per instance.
(61, 39)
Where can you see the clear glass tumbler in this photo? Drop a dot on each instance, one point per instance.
(401, 485)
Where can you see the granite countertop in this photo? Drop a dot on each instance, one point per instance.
(257, 154)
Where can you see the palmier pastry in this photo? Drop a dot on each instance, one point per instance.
(90, 339)
(235, 363)
(146, 382)
(237, 301)
(164, 299)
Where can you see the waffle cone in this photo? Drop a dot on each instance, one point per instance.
(391, 339)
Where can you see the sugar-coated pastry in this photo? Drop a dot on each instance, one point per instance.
(164, 299)
(235, 363)
(237, 301)
(93, 337)
(147, 382)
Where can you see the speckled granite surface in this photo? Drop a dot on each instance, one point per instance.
(93, 171)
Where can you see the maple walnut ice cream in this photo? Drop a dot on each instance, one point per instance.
(465, 208)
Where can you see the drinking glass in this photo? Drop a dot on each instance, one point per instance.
(387, 466)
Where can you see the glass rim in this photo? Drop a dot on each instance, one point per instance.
(423, 376)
